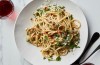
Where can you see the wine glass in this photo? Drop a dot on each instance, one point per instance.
(6, 8)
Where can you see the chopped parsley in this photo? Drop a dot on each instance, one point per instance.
(58, 58)
(71, 17)
(59, 44)
(46, 37)
(50, 59)
(44, 58)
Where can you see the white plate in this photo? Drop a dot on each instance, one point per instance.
(32, 53)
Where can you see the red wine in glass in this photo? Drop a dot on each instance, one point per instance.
(6, 8)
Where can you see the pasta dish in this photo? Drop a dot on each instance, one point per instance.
(55, 31)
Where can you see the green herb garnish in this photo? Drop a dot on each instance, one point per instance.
(46, 37)
(58, 58)
(39, 12)
(71, 17)
(72, 46)
(44, 58)
(56, 35)
(50, 59)
(59, 44)
(62, 7)
(77, 46)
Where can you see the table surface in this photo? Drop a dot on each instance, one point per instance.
(9, 54)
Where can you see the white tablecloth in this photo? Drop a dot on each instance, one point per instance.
(9, 54)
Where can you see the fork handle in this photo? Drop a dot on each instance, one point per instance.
(95, 36)
(91, 54)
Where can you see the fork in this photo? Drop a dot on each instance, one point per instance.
(91, 54)
(95, 36)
